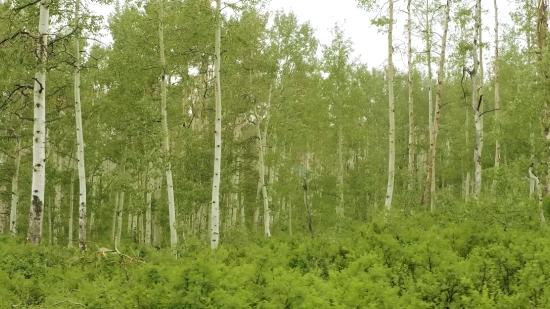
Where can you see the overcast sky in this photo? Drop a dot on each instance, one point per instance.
(370, 45)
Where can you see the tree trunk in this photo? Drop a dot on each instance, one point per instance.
(340, 209)
(57, 199)
(79, 140)
(71, 209)
(411, 102)
(148, 215)
(39, 137)
(539, 191)
(261, 169)
(497, 95)
(215, 211)
(476, 104)
(430, 180)
(119, 219)
(14, 188)
(391, 160)
(169, 182)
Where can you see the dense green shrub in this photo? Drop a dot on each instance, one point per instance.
(464, 257)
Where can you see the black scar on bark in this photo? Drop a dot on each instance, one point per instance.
(37, 205)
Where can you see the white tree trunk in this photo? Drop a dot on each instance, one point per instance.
(39, 134)
(539, 191)
(261, 169)
(79, 139)
(215, 211)
(340, 208)
(411, 102)
(391, 160)
(148, 215)
(497, 93)
(119, 219)
(476, 106)
(430, 182)
(57, 199)
(71, 209)
(14, 188)
(169, 182)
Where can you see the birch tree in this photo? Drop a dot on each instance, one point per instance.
(34, 234)
(169, 182)
(215, 210)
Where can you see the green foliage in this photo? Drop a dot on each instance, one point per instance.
(456, 259)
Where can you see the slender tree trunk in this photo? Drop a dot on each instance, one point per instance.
(476, 104)
(115, 215)
(148, 215)
(411, 102)
(119, 219)
(14, 187)
(215, 211)
(71, 209)
(340, 209)
(57, 199)
(430, 186)
(261, 168)
(79, 140)
(391, 160)
(39, 137)
(430, 181)
(497, 94)
(169, 182)
(539, 191)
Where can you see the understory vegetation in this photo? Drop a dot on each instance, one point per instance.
(475, 255)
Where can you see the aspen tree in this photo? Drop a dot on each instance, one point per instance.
(411, 101)
(215, 210)
(82, 219)
(391, 159)
(14, 187)
(169, 182)
(497, 94)
(477, 101)
(435, 127)
(34, 234)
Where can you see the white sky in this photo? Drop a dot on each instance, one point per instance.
(368, 44)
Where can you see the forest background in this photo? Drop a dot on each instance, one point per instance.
(430, 170)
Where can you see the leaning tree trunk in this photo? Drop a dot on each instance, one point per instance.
(215, 211)
(169, 182)
(14, 188)
(34, 234)
(411, 102)
(391, 159)
(431, 154)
